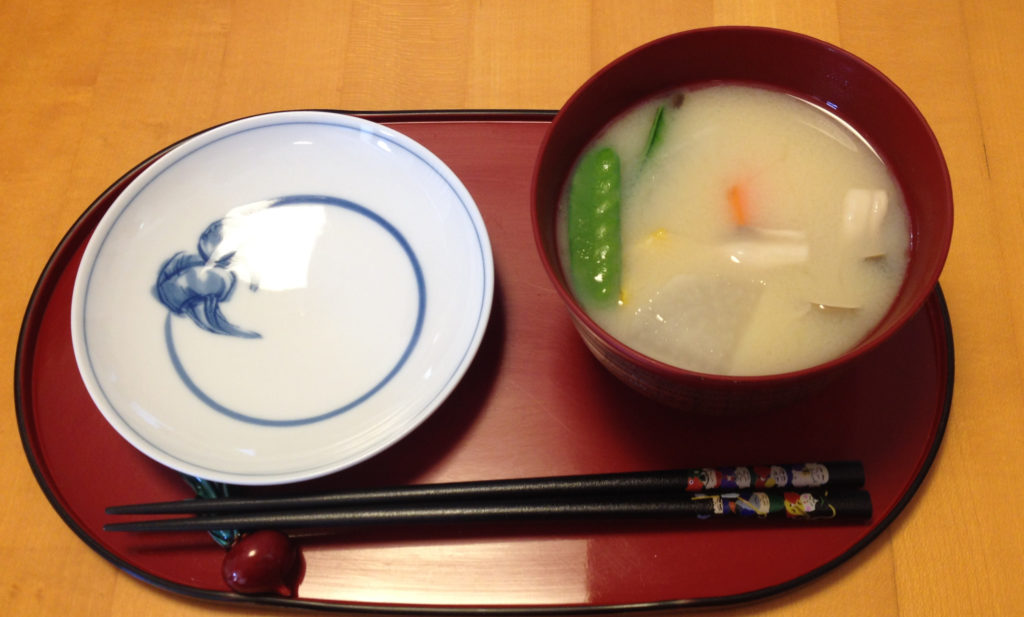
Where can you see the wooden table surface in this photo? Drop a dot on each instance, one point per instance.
(90, 88)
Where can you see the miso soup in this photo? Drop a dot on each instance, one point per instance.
(746, 231)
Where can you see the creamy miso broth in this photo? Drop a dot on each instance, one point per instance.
(759, 233)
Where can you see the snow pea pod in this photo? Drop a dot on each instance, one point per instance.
(595, 242)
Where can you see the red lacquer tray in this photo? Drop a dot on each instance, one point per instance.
(534, 403)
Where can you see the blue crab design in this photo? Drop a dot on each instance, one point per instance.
(195, 285)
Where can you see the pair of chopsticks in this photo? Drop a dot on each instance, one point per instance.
(808, 491)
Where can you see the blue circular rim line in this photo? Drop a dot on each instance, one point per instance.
(377, 131)
(292, 200)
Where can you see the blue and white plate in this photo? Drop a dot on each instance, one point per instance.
(281, 297)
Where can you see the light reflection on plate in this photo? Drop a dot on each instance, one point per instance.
(281, 297)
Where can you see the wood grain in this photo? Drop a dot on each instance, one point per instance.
(88, 89)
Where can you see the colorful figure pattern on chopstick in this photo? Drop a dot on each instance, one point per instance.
(761, 504)
(757, 477)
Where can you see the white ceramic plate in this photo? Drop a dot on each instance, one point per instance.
(281, 297)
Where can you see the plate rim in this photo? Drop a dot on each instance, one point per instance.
(128, 189)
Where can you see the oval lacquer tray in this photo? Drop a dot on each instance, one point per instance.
(534, 403)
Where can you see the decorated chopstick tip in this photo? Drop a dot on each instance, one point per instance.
(848, 474)
(808, 505)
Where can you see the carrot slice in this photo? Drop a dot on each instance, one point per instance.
(738, 204)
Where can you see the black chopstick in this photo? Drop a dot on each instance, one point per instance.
(813, 504)
(846, 474)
